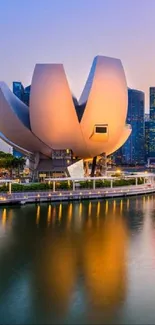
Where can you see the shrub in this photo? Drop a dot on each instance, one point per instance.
(86, 184)
(65, 185)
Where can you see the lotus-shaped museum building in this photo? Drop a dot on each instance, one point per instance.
(55, 122)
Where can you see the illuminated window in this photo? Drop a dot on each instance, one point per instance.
(67, 150)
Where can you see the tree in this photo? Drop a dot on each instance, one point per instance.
(11, 163)
(18, 164)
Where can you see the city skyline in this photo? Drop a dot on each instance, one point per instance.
(73, 33)
(133, 150)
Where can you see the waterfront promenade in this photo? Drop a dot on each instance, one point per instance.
(81, 194)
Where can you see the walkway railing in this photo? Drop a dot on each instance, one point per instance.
(25, 197)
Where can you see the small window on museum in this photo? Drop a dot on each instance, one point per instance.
(101, 129)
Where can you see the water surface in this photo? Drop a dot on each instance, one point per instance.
(78, 263)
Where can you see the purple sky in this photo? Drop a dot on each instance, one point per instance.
(73, 32)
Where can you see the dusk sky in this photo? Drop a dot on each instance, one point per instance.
(72, 32)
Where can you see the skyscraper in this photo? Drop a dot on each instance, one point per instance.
(17, 154)
(24, 95)
(133, 151)
(152, 123)
(152, 103)
(147, 139)
(18, 89)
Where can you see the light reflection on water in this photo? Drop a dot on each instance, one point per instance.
(82, 262)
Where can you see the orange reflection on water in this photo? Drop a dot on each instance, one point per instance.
(57, 272)
(49, 215)
(69, 214)
(10, 216)
(70, 211)
(38, 215)
(128, 204)
(80, 209)
(98, 209)
(89, 222)
(114, 206)
(144, 200)
(98, 252)
(121, 206)
(60, 212)
(106, 207)
(4, 217)
(53, 215)
(89, 209)
(104, 257)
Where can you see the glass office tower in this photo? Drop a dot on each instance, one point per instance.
(147, 139)
(133, 151)
(152, 124)
(18, 89)
(24, 95)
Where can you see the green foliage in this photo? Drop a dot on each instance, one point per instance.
(100, 183)
(3, 188)
(68, 185)
(5, 155)
(63, 186)
(30, 187)
(86, 184)
(10, 162)
(140, 181)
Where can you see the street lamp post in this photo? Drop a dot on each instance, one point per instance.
(94, 184)
(10, 188)
(53, 186)
(111, 183)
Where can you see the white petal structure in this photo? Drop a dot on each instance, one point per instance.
(21, 150)
(106, 100)
(15, 125)
(52, 112)
(55, 120)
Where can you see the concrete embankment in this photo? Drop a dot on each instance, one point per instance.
(49, 196)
